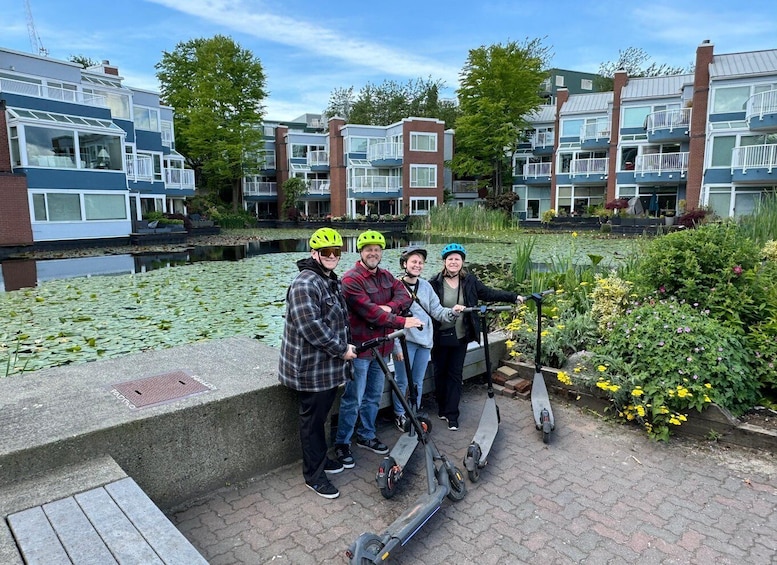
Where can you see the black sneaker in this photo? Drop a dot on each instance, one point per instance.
(401, 422)
(333, 467)
(343, 454)
(453, 425)
(441, 417)
(324, 488)
(374, 445)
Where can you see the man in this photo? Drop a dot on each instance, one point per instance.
(315, 351)
(375, 302)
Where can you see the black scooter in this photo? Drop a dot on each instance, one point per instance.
(443, 479)
(478, 450)
(540, 403)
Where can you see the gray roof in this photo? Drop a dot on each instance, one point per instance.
(655, 87)
(596, 103)
(732, 65)
(543, 114)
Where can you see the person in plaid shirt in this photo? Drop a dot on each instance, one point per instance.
(315, 353)
(376, 301)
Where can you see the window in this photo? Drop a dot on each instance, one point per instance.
(357, 145)
(63, 207)
(559, 80)
(423, 176)
(421, 206)
(67, 206)
(299, 151)
(16, 156)
(49, 147)
(423, 141)
(145, 118)
(722, 147)
(119, 104)
(167, 134)
(730, 99)
(635, 117)
(105, 206)
(571, 128)
(586, 84)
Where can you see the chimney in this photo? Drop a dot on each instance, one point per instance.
(106, 68)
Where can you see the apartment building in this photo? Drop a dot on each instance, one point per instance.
(702, 139)
(82, 155)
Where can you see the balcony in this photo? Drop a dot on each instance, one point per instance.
(260, 188)
(318, 187)
(761, 111)
(595, 136)
(537, 174)
(376, 184)
(465, 187)
(543, 143)
(25, 88)
(589, 171)
(754, 164)
(318, 160)
(179, 178)
(140, 168)
(385, 154)
(661, 168)
(669, 126)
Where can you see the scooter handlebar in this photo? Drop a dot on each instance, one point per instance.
(538, 296)
(374, 342)
(485, 308)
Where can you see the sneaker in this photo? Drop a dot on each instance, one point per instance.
(324, 488)
(401, 422)
(374, 445)
(453, 425)
(343, 454)
(333, 467)
(441, 417)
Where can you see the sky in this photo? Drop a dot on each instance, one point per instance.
(310, 48)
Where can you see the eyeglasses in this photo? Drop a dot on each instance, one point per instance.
(330, 251)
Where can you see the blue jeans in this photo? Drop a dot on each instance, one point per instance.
(418, 356)
(361, 399)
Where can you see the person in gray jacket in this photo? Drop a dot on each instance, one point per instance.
(426, 306)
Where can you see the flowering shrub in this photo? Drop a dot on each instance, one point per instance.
(762, 341)
(769, 250)
(664, 358)
(611, 297)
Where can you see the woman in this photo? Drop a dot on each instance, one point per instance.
(454, 285)
(426, 306)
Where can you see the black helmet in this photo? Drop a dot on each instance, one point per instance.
(412, 250)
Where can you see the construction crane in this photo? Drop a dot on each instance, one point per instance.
(35, 42)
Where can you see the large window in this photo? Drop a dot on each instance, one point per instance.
(730, 99)
(423, 141)
(421, 206)
(146, 118)
(105, 207)
(423, 176)
(722, 146)
(74, 207)
(571, 128)
(635, 117)
(119, 104)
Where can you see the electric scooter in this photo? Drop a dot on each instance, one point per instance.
(540, 403)
(477, 452)
(443, 479)
(391, 468)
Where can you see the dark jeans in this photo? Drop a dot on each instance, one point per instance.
(448, 364)
(313, 411)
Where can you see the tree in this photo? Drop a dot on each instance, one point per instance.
(217, 90)
(633, 61)
(83, 60)
(499, 88)
(293, 189)
(340, 103)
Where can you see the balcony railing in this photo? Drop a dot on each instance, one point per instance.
(659, 163)
(535, 170)
(668, 119)
(760, 104)
(51, 92)
(543, 139)
(318, 158)
(465, 186)
(179, 178)
(259, 188)
(596, 166)
(376, 183)
(385, 150)
(595, 131)
(139, 168)
(318, 186)
(754, 156)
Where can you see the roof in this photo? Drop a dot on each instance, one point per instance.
(655, 87)
(732, 65)
(595, 103)
(545, 113)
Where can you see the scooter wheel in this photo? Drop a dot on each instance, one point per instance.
(498, 417)
(365, 549)
(458, 487)
(546, 428)
(387, 477)
(472, 462)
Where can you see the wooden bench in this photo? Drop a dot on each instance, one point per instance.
(114, 523)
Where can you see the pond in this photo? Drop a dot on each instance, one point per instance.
(157, 302)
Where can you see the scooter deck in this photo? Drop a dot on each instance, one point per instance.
(487, 429)
(404, 448)
(539, 399)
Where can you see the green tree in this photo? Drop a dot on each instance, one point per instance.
(293, 189)
(217, 89)
(83, 60)
(634, 61)
(499, 88)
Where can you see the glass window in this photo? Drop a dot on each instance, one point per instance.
(16, 156)
(145, 118)
(559, 80)
(64, 207)
(423, 176)
(730, 99)
(571, 128)
(720, 203)
(105, 207)
(357, 145)
(421, 206)
(100, 151)
(39, 207)
(635, 117)
(299, 151)
(49, 147)
(586, 84)
(722, 147)
(423, 141)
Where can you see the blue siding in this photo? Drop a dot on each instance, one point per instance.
(148, 140)
(57, 106)
(717, 176)
(129, 127)
(75, 179)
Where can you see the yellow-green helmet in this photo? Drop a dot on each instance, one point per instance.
(370, 237)
(325, 237)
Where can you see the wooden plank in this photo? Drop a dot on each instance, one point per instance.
(169, 543)
(118, 533)
(76, 533)
(36, 539)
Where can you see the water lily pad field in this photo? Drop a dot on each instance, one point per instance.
(83, 319)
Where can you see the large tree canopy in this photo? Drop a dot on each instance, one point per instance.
(391, 101)
(499, 88)
(216, 89)
(634, 61)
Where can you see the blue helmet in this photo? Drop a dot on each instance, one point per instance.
(453, 248)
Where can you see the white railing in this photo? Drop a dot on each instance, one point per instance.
(318, 186)
(595, 131)
(760, 104)
(318, 158)
(385, 150)
(659, 163)
(375, 183)
(543, 139)
(669, 119)
(595, 166)
(179, 178)
(140, 167)
(536, 170)
(50, 92)
(259, 188)
(754, 156)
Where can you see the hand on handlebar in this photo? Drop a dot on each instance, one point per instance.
(350, 352)
(413, 322)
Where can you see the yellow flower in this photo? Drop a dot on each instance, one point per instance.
(637, 392)
(545, 333)
(614, 388)
(601, 368)
(707, 398)
(707, 385)
(574, 234)
(674, 421)
(577, 369)
(641, 411)
(682, 392)
(509, 343)
(564, 378)
(682, 418)
(514, 353)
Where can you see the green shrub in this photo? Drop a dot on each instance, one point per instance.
(611, 297)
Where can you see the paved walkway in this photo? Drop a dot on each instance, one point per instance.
(600, 493)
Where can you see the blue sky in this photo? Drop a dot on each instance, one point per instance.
(308, 48)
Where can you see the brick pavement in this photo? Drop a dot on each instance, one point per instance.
(600, 493)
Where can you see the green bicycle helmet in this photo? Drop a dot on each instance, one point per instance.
(413, 250)
(325, 237)
(453, 248)
(370, 237)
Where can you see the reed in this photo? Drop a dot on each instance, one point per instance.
(761, 225)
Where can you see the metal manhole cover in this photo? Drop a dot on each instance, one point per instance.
(151, 391)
